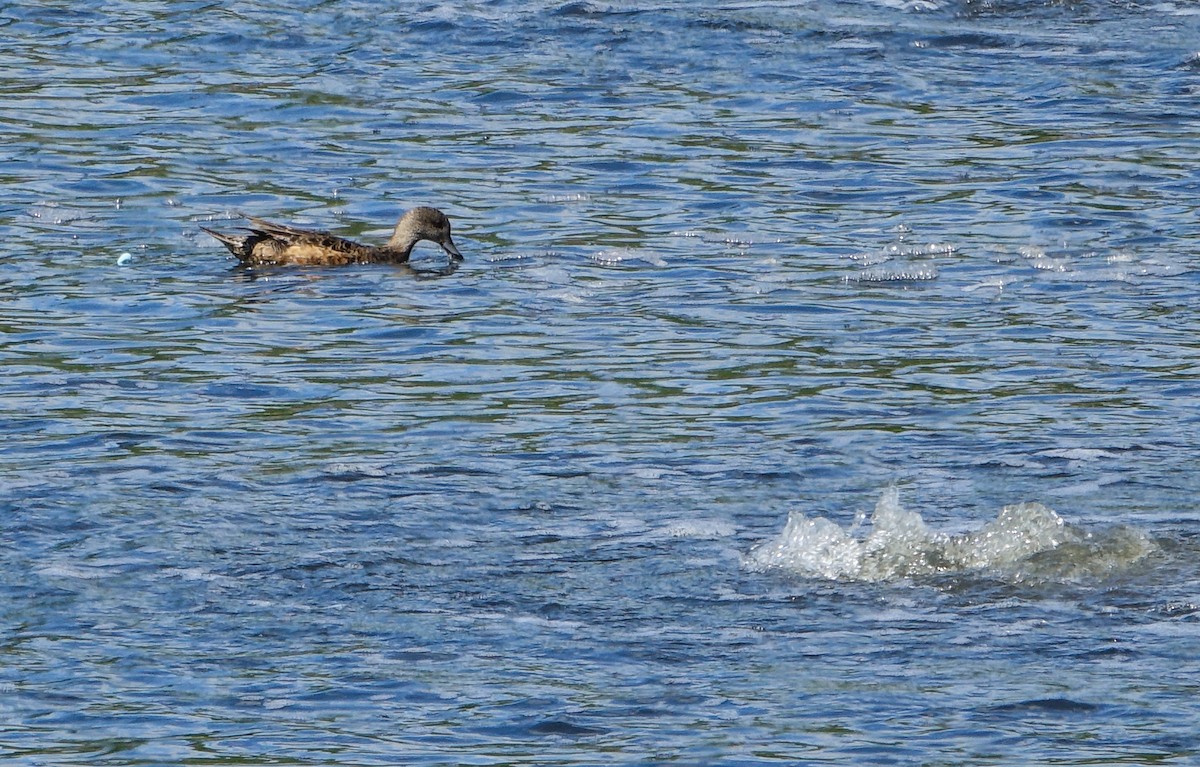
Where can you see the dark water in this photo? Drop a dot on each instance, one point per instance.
(724, 264)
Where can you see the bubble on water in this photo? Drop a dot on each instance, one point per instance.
(1047, 264)
(895, 275)
(900, 261)
(514, 258)
(737, 240)
(558, 198)
(870, 258)
(617, 256)
(54, 213)
(610, 257)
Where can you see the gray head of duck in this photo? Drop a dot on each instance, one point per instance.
(424, 224)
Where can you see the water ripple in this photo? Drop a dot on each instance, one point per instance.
(724, 266)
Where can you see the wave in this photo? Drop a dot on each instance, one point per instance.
(1024, 540)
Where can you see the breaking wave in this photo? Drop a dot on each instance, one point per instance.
(1024, 540)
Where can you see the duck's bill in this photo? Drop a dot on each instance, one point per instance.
(452, 249)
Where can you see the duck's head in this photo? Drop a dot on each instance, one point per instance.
(424, 224)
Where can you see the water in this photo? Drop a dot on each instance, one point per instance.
(731, 271)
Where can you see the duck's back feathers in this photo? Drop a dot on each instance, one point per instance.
(281, 244)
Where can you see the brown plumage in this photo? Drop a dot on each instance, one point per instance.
(267, 243)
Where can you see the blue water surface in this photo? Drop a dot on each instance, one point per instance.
(724, 262)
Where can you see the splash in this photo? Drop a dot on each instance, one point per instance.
(1025, 539)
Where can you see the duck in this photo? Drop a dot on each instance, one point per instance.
(269, 244)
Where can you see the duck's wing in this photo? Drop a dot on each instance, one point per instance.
(279, 231)
(290, 235)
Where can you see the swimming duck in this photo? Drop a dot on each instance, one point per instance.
(269, 243)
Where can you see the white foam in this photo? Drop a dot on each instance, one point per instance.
(810, 546)
(356, 469)
(1077, 453)
(67, 570)
(569, 296)
(703, 529)
(900, 544)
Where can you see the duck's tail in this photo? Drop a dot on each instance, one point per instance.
(236, 243)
